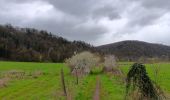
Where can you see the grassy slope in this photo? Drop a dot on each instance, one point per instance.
(48, 86)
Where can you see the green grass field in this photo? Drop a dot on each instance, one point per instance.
(48, 85)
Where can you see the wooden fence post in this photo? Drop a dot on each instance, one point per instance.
(77, 79)
(63, 82)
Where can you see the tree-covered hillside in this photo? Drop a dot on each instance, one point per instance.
(134, 50)
(27, 44)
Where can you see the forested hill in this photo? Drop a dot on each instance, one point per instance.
(26, 44)
(136, 49)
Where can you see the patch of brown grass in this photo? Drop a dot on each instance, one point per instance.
(37, 73)
(14, 74)
(4, 82)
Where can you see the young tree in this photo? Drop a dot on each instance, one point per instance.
(83, 62)
(110, 65)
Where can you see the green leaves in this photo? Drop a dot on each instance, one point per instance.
(138, 79)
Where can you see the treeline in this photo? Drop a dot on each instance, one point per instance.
(137, 50)
(28, 44)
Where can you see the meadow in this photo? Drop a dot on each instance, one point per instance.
(42, 81)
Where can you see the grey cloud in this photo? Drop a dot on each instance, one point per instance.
(20, 1)
(88, 34)
(69, 30)
(86, 9)
(69, 18)
(74, 7)
(162, 4)
(66, 26)
(146, 12)
(106, 11)
(145, 18)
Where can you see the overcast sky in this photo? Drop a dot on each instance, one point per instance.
(94, 21)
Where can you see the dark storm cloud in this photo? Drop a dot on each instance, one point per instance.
(78, 30)
(106, 11)
(91, 20)
(74, 7)
(85, 9)
(162, 4)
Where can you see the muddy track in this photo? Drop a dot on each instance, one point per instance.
(96, 95)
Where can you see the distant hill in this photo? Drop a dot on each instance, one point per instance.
(27, 44)
(135, 49)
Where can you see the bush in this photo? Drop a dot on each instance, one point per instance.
(140, 86)
(110, 65)
(82, 62)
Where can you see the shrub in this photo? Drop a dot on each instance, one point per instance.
(82, 62)
(110, 65)
(139, 83)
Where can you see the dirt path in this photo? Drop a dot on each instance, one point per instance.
(96, 95)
